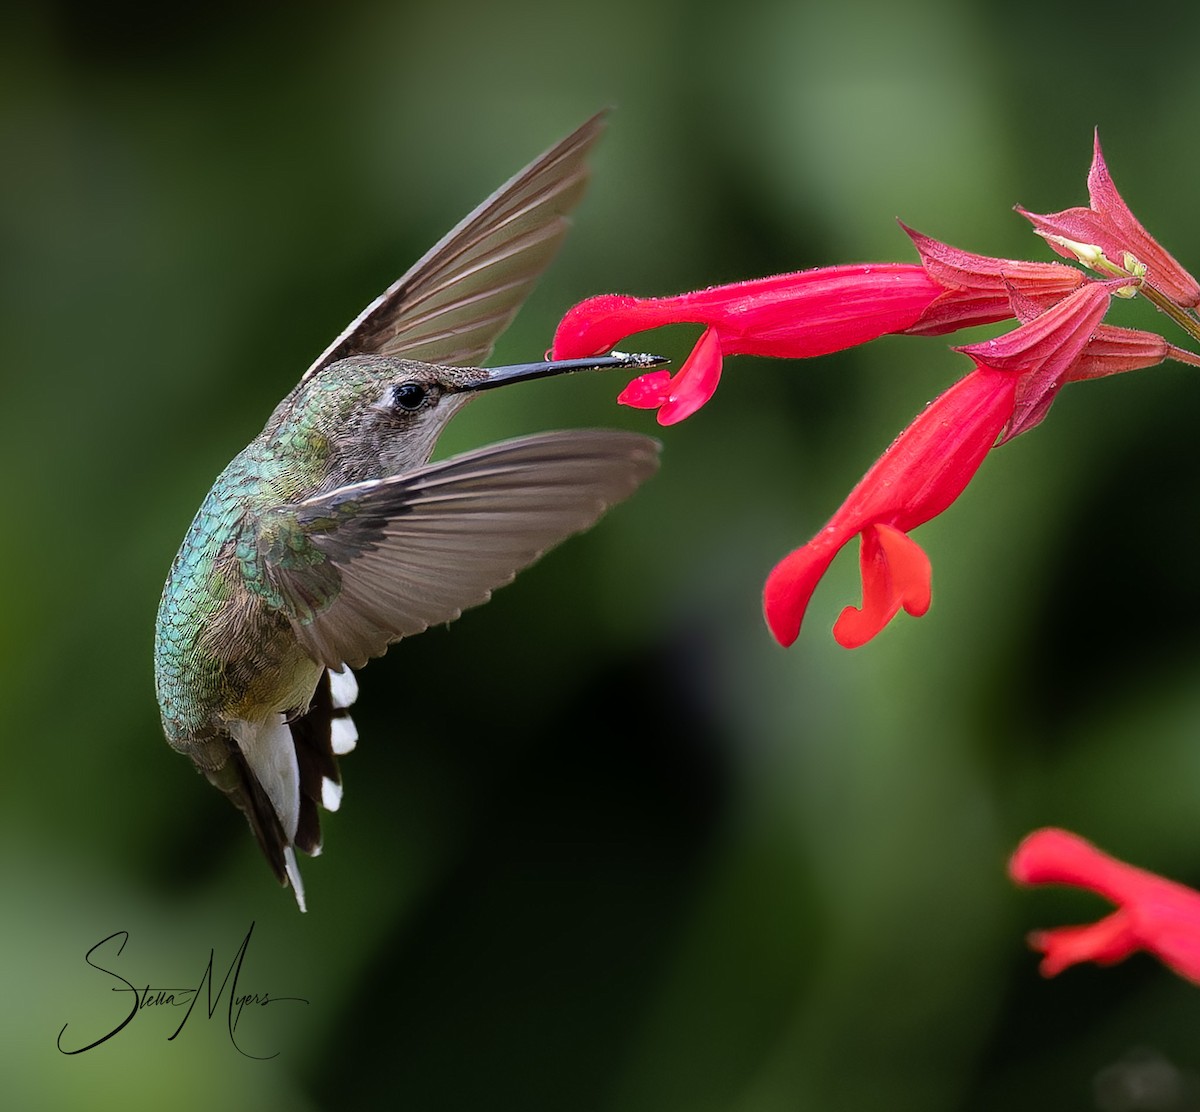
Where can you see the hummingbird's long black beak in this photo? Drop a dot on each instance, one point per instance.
(520, 372)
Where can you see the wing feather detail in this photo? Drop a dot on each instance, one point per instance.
(453, 303)
(415, 550)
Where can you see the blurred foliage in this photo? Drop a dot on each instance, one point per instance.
(605, 846)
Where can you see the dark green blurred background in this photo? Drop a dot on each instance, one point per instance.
(605, 846)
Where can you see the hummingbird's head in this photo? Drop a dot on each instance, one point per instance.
(375, 415)
(371, 415)
(406, 407)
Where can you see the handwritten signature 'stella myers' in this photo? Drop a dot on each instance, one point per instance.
(149, 997)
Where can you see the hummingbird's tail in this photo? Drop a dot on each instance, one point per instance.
(288, 769)
(321, 735)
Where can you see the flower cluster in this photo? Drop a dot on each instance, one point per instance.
(1059, 338)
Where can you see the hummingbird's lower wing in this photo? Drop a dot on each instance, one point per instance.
(453, 303)
(370, 563)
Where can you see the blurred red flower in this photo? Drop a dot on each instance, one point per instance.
(1153, 914)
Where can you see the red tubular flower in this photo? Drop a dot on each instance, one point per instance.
(1152, 914)
(918, 477)
(1017, 377)
(793, 316)
(1109, 225)
(809, 313)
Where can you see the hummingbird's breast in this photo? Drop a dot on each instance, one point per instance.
(221, 652)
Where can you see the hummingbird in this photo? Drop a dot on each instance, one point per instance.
(330, 535)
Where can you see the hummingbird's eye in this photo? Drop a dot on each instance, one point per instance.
(408, 395)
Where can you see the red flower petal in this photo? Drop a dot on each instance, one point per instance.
(1167, 275)
(895, 573)
(792, 581)
(1153, 914)
(696, 381)
(647, 391)
(1107, 942)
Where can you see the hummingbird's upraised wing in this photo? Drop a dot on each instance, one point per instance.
(369, 563)
(456, 300)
